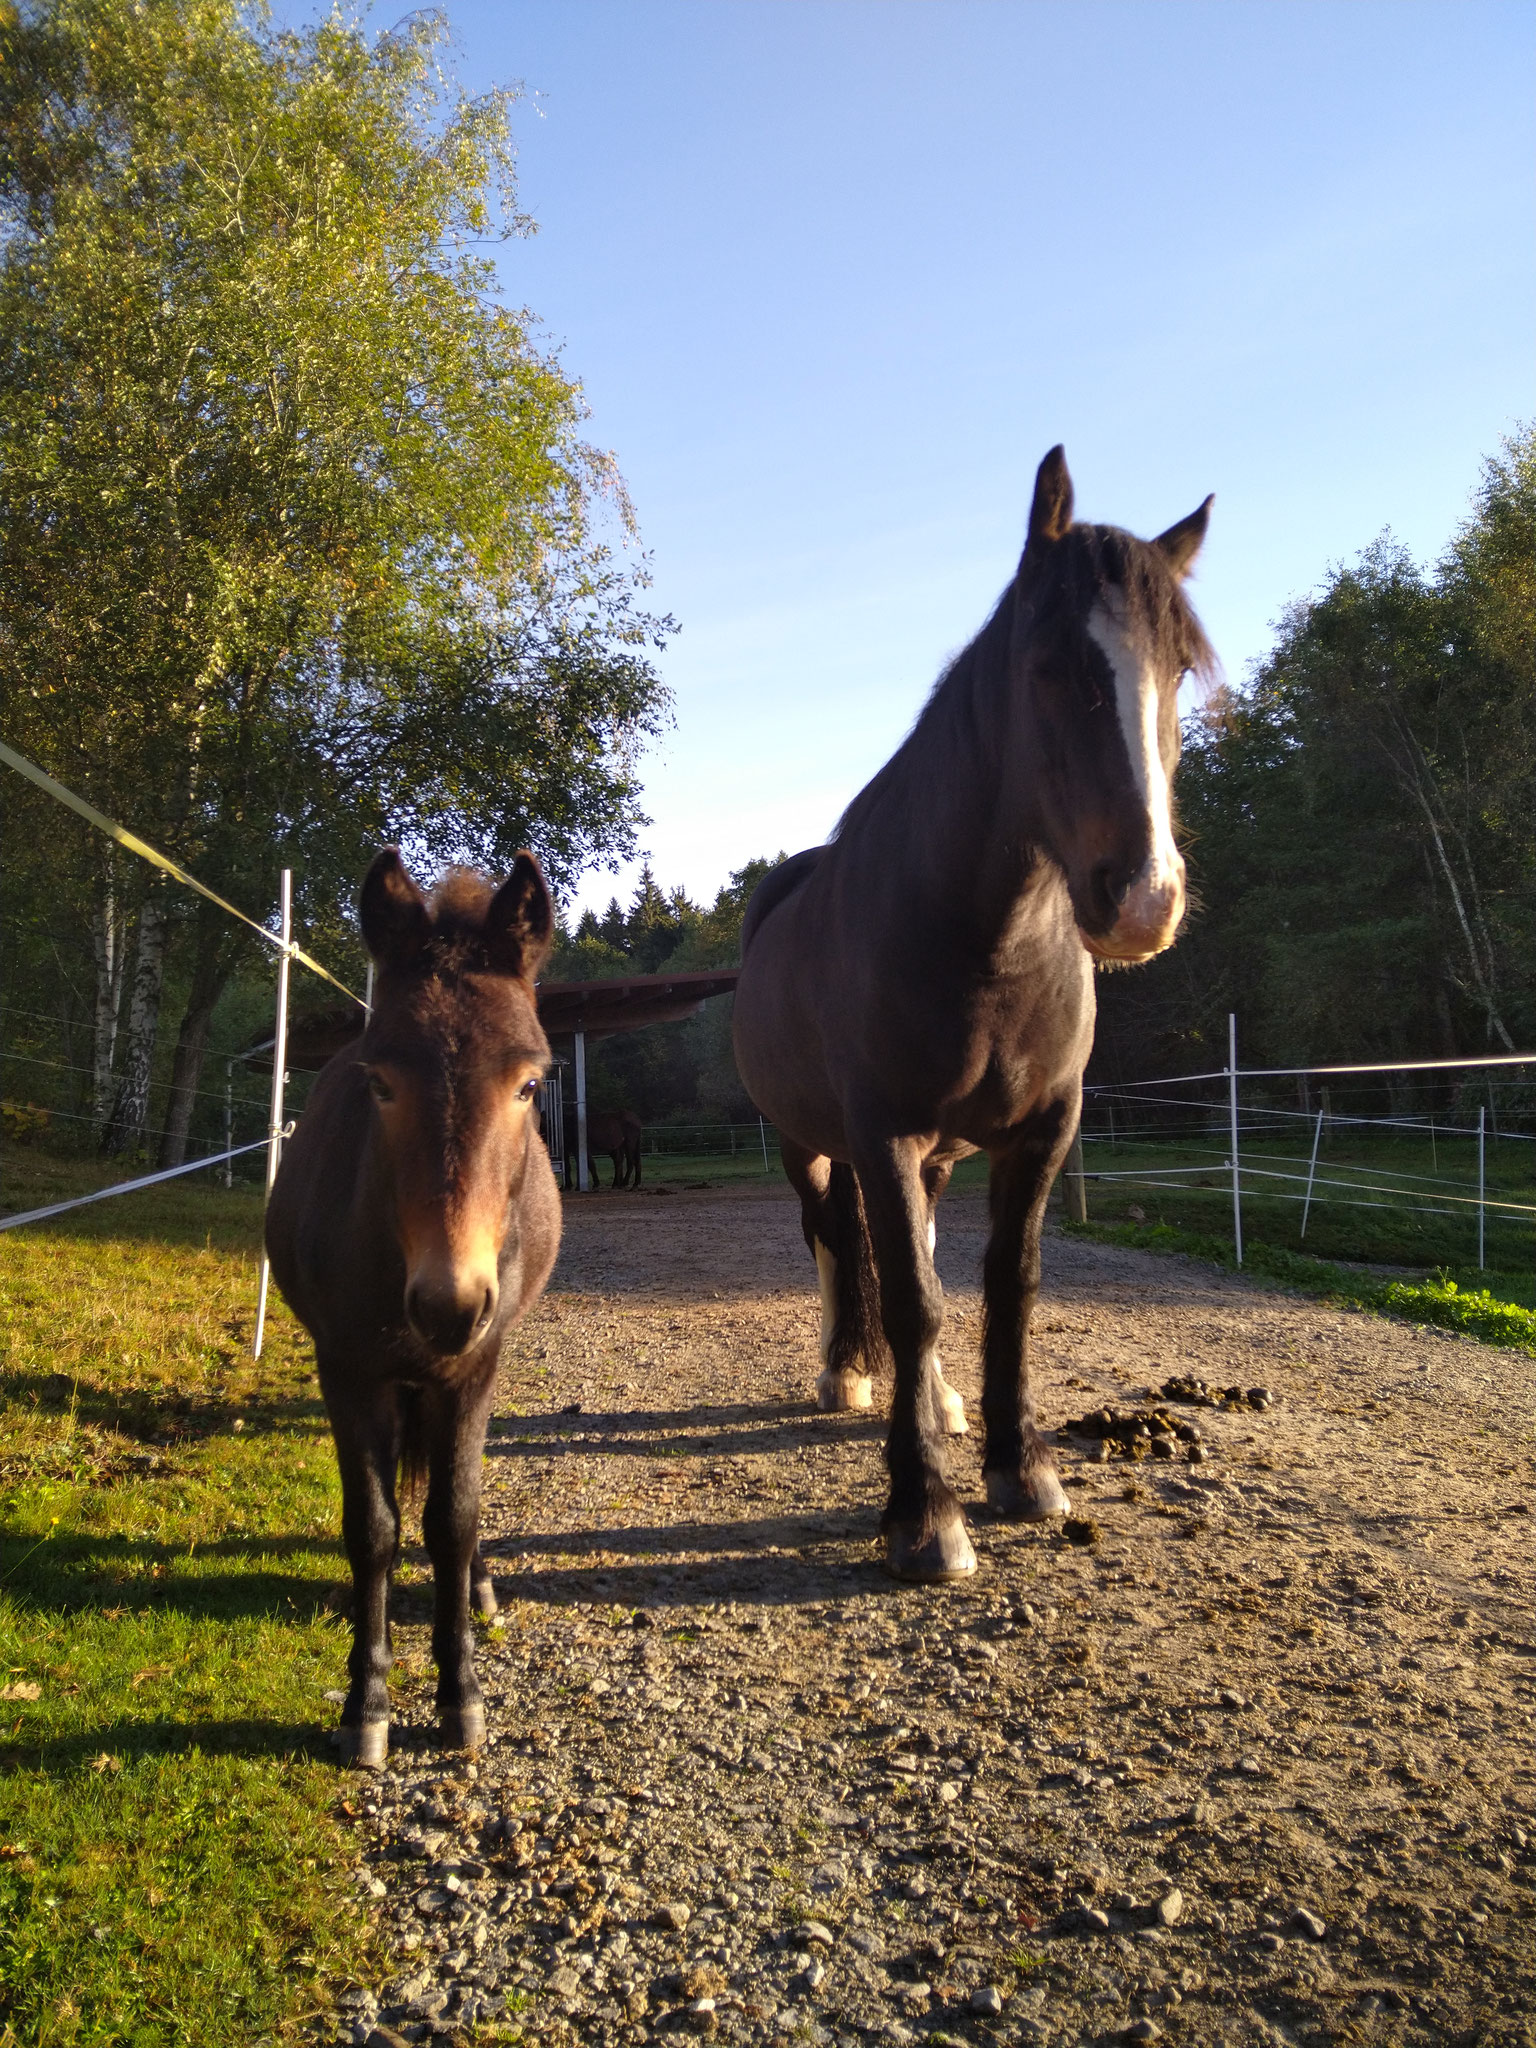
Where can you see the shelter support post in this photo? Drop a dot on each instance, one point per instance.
(1482, 1187)
(583, 1178)
(279, 1078)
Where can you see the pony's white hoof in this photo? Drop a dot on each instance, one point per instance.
(837, 1392)
(364, 1745)
(945, 1556)
(462, 1727)
(1032, 1496)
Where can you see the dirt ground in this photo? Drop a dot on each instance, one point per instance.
(1253, 1766)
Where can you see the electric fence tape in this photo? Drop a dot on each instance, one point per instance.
(162, 861)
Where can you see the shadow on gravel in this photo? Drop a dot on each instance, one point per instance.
(732, 1431)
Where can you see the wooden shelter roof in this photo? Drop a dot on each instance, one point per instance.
(598, 1008)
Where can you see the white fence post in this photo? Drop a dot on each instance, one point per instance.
(1482, 1207)
(1237, 1185)
(762, 1132)
(279, 1077)
(1317, 1136)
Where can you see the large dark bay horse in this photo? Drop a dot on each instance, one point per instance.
(616, 1132)
(414, 1219)
(921, 988)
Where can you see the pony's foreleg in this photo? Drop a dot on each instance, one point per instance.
(924, 1528)
(366, 1429)
(455, 1421)
(1020, 1473)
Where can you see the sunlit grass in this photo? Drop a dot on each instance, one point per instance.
(171, 1867)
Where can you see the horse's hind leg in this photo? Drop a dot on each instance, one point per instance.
(831, 1217)
(925, 1534)
(454, 1419)
(1020, 1473)
(366, 1426)
(949, 1406)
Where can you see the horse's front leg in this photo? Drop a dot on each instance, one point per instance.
(1020, 1473)
(366, 1426)
(455, 1419)
(924, 1527)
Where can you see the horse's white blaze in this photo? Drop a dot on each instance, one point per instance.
(826, 1273)
(933, 1237)
(1155, 900)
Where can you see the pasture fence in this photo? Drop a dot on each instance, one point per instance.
(1194, 1136)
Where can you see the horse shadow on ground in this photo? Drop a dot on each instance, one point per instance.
(731, 1429)
(111, 1745)
(105, 1574)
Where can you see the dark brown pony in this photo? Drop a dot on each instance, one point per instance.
(414, 1219)
(922, 987)
(616, 1133)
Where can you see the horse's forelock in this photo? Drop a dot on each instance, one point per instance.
(1103, 564)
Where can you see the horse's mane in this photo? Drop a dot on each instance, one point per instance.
(1089, 565)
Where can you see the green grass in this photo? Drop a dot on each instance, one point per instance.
(172, 1863)
(1466, 1303)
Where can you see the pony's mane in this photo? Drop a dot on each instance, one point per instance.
(1089, 565)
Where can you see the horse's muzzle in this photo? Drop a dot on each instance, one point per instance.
(1140, 916)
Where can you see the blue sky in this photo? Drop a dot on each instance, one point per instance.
(834, 274)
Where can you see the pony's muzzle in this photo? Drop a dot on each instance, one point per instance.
(450, 1310)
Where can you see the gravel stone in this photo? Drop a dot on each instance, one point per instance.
(986, 1998)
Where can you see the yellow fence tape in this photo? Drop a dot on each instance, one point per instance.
(162, 861)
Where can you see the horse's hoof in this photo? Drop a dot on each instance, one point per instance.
(462, 1727)
(364, 1744)
(1032, 1496)
(837, 1392)
(946, 1556)
(952, 1412)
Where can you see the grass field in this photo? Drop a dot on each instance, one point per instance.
(172, 1867)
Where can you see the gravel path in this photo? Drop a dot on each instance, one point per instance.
(1251, 1765)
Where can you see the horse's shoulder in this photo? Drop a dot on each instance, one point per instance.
(776, 885)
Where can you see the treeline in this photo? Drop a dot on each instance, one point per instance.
(1359, 820)
(301, 548)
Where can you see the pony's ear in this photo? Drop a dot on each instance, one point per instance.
(520, 923)
(1181, 543)
(1051, 513)
(393, 912)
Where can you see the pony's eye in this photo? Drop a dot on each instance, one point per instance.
(380, 1089)
(527, 1092)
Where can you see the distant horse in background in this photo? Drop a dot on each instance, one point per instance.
(616, 1133)
(921, 988)
(414, 1219)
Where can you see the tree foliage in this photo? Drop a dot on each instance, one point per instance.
(301, 547)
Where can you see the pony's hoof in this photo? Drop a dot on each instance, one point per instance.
(1032, 1496)
(947, 1555)
(837, 1392)
(462, 1727)
(364, 1745)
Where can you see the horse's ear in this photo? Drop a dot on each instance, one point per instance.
(520, 923)
(393, 912)
(1051, 513)
(1181, 543)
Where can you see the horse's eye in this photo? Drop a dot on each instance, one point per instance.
(380, 1089)
(527, 1092)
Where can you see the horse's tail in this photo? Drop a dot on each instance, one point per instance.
(412, 1474)
(858, 1342)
